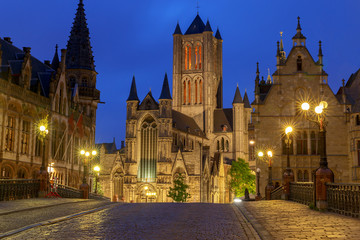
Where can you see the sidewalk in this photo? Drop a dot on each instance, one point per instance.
(8, 207)
(279, 219)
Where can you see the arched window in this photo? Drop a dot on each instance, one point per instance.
(218, 145)
(301, 144)
(184, 92)
(305, 146)
(313, 143)
(196, 92)
(148, 152)
(189, 92)
(299, 176)
(10, 134)
(6, 172)
(21, 173)
(198, 56)
(222, 144)
(227, 146)
(306, 176)
(200, 88)
(299, 63)
(187, 57)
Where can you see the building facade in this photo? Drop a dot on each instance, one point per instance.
(64, 91)
(188, 132)
(300, 78)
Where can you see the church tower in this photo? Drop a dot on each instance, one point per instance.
(80, 68)
(197, 72)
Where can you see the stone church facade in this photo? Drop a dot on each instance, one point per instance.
(64, 90)
(186, 132)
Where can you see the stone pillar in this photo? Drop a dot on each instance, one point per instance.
(85, 190)
(288, 177)
(269, 187)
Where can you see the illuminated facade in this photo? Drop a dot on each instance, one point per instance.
(65, 90)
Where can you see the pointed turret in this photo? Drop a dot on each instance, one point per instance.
(268, 80)
(257, 80)
(177, 29)
(55, 62)
(217, 34)
(208, 27)
(79, 54)
(277, 49)
(133, 92)
(320, 54)
(246, 101)
(197, 26)
(299, 38)
(165, 92)
(237, 97)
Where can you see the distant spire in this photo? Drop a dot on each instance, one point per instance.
(320, 50)
(217, 34)
(298, 26)
(237, 97)
(246, 101)
(55, 62)
(262, 82)
(177, 29)
(79, 53)
(298, 34)
(197, 7)
(268, 80)
(281, 48)
(133, 92)
(278, 49)
(165, 92)
(208, 27)
(257, 79)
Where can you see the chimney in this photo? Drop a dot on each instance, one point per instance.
(8, 39)
(122, 144)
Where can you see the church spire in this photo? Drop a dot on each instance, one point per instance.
(177, 29)
(268, 80)
(165, 92)
(55, 62)
(208, 27)
(246, 100)
(217, 34)
(299, 38)
(79, 53)
(133, 92)
(237, 97)
(257, 79)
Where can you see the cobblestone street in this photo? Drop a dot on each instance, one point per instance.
(150, 221)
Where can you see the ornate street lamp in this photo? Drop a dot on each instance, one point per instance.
(97, 171)
(42, 132)
(323, 173)
(288, 174)
(269, 187)
(86, 156)
(258, 195)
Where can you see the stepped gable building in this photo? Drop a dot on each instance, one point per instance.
(188, 132)
(299, 77)
(65, 90)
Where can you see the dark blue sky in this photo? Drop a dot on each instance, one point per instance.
(135, 37)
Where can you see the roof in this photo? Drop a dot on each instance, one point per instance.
(186, 124)
(208, 27)
(237, 97)
(79, 53)
(351, 91)
(110, 148)
(197, 26)
(246, 101)
(217, 34)
(55, 62)
(223, 117)
(12, 60)
(133, 92)
(149, 103)
(177, 29)
(165, 92)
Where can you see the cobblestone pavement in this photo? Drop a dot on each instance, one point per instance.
(290, 220)
(24, 218)
(163, 221)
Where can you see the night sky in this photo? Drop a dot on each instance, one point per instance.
(135, 38)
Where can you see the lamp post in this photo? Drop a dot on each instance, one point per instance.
(42, 130)
(288, 174)
(258, 195)
(269, 187)
(323, 173)
(86, 156)
(97, 171)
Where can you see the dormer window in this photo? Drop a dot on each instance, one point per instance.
(299, 64)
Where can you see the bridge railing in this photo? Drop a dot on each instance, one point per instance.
(69, 192)
(302, 192)
(276, 193)
(12, 189)
(344, 198)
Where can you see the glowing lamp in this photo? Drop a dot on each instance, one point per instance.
(305, 106)
(288, 130)
(94, 152)
(42, 128)
(97, 169)
(318, 109)
(237, 200)
(82, 152)
(269, 153)
(87, 154)
(260, 154)
(252, 142)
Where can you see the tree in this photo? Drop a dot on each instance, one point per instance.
(178, 192)
(241, 178)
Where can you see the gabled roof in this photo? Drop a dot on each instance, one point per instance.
(12, 60)
(149, 103)
(223, 117)
(165, 92)
(197, 26)
(79, 53)
(186, 124)
(110, 148)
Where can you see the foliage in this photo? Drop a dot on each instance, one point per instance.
(241, 178)
(313, 207)
(178, 192)
(99, 187)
